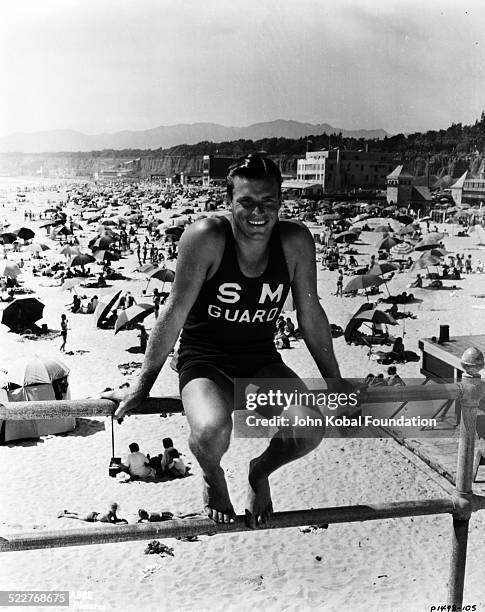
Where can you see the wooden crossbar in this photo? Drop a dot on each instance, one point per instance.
(101, 533)
(93, 407)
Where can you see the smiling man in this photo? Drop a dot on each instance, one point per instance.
(233, 275)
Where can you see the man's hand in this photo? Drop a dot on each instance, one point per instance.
(127, 401)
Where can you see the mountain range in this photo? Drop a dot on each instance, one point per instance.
(169, 136)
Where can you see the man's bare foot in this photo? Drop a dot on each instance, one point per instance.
(259, 506)
(217, 503)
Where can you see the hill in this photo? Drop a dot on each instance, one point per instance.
(164, 137)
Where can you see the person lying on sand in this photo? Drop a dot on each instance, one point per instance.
(164, 515)
(153, 517)
(95, 517)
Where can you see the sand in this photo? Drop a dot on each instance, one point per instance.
(393, 565)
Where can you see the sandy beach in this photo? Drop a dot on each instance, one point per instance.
(393, 565)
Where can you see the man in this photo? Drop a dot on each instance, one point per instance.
(233, 275)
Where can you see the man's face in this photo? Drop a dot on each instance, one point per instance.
(255, 205)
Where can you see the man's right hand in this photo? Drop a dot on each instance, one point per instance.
(127, 401)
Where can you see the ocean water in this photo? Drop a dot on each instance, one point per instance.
(40, 193)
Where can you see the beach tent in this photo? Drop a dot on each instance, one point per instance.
(34, 378)
(354, 324)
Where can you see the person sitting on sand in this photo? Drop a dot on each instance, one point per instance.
(76, 303)
(393, 377)
(91, 305)
(289, 327)
(168, 453)
(110, 321)
(137, 464)
(397, 351)
(95, 517)
(418, 282)
(378, 381)
(282, 341)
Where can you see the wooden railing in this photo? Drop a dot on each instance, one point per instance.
(460, 505)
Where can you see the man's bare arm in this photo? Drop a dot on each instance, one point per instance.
(197, 250)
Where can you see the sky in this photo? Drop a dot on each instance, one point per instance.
(101, 66)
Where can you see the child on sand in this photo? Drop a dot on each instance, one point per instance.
(93, 517)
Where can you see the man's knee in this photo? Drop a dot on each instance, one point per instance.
(208, 436)
(308, 428)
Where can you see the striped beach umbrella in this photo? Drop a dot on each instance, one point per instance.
(132, 315)
(401, 249)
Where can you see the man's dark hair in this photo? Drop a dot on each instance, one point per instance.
(134, 448)
(167, 442)
(252, 166)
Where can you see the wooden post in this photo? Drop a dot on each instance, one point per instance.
(473, 389)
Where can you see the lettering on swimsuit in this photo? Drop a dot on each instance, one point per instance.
(229, 293)
(242, 316)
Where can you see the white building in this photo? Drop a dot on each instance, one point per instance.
(339, 170)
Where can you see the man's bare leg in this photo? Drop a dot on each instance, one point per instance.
(208, 408)
(286, 445)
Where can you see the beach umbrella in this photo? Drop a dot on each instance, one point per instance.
(363, 281)
(387, 243)
(101, 243)
(25, 233)
(375, 316)
(441, 252)
(22, 312)
(36, 370)
(8, 238)
(133, 314)
(163, 274)
(63, 230)
(408, 229)
(175, 231)
(106, 256)
(81, 260)
(383, 268)
(426, 243)
(404, 248)
(406, 219)
(94, 219)
(330, 217)
(434, 236)
(424, 261)
(69, 249)
(347, 236)
(360, 217)
(146, 268)
(37, 247)
(9, 268)
(105, 306)
(174, 216)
